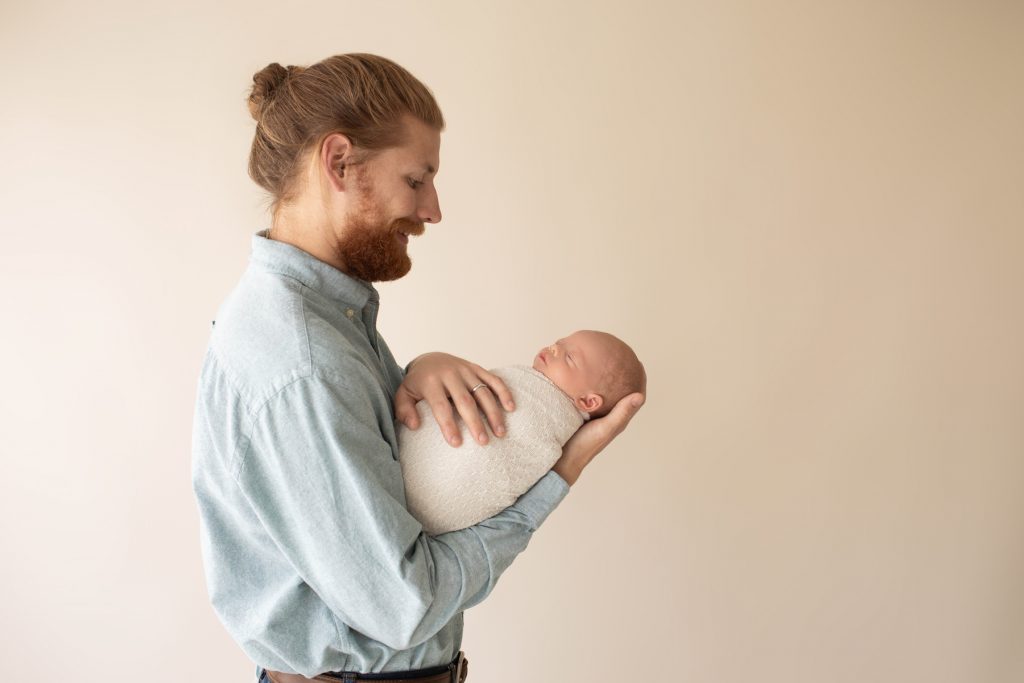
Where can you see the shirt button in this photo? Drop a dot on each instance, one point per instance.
(350, 313)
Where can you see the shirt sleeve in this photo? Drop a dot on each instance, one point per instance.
(328, 490)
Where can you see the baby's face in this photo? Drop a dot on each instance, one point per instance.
(575, 365)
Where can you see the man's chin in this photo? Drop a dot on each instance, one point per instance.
(397, 274)
(374, 259)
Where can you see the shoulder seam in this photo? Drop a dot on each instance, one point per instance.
(253, 414)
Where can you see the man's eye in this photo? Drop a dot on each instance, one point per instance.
(413, 183)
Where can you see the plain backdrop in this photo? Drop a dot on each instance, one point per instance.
(805, 216)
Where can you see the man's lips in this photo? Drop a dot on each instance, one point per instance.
(403, 231)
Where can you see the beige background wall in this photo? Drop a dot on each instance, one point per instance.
(807, 218)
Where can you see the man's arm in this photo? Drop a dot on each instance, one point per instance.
(328, 490)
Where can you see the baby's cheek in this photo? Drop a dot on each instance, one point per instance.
(553, 376)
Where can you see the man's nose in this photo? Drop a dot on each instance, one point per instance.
(429, 210)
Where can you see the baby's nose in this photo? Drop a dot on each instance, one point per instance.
(553, 350)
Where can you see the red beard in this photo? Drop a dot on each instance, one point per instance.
(371, 251)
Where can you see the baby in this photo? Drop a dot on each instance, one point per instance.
(571, 381)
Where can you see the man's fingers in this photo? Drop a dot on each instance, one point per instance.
(442, 410)
(497, 386)
(489, 405)
(405, 408)
(466, 405)
(436, 376)
(487, 397)
(624, 411)
(593, 436)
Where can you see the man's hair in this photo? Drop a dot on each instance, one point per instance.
(363, 96)
(623, 374)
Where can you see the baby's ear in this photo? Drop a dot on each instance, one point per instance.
(590, 403)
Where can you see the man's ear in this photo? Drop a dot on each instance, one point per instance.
(335, 154)
(590, 402)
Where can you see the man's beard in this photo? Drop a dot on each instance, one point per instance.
(373, 252)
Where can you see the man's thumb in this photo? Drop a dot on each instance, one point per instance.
(405, 409)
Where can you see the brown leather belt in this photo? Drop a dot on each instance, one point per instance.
(455, 672)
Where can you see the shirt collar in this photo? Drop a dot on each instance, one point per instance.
(278, 257)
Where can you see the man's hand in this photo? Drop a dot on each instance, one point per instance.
(591, 438)
(437, 377)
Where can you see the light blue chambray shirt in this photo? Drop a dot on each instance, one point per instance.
(312, 561)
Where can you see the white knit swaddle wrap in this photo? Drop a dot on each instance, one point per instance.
(451, 488)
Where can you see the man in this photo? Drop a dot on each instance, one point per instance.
(313, 562)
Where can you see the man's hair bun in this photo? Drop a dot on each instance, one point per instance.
(265, 83)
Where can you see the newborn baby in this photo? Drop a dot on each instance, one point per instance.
(579, 377)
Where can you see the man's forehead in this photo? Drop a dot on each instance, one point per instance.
(409, 158)
(422, 145)
(418, 158)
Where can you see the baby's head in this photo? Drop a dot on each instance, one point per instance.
(594, 369)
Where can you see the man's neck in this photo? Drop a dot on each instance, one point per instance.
(309, 232)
